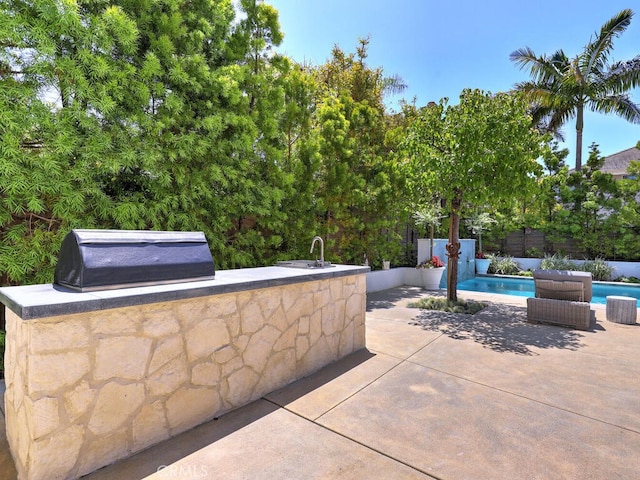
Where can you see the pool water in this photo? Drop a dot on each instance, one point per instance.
(523, 287)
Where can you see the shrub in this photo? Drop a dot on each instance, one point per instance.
(631, 279)
(600, 270)
(444, 305)
(504, 265)
(557, 262)
(533, 252)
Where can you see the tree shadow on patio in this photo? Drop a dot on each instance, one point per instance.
(390, 298)
(502, 328)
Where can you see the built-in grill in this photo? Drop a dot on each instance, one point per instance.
(92, 260)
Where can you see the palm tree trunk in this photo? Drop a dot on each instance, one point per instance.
(579, 126)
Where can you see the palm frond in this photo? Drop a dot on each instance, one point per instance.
(559, 134)
(596, 53)
(572, 87)
(621, 105)
(534, 89)
(559, 118)
(523, 57)
(560, 63)
(542, 68)
(393, 85)
(626, 74)
(550, 120)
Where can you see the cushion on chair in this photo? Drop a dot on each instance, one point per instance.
(560, 290)
(568, 276)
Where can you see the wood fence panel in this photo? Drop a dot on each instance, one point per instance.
(518, 243)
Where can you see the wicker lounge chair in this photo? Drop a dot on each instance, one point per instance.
(562, 298)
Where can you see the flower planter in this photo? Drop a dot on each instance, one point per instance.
(431, 277)
(482, 265)
(386, 264)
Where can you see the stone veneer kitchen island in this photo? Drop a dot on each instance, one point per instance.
(95, 377)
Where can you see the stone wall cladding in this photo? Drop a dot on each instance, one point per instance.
(85, 390)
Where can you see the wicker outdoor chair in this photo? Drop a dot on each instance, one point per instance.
(562, 298)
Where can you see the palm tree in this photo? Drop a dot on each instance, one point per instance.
(561, 88)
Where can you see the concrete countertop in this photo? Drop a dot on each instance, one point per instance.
(47, 300)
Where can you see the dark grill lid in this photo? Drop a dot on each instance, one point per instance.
(108, 259)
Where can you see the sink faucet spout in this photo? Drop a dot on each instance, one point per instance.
(313, 244)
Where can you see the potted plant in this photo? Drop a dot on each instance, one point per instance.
(431, 271)
(482, 263)
(477, 224)
(429, 216)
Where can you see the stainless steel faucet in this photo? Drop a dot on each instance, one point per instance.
(313, 244)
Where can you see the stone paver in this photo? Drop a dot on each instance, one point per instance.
(434, 396)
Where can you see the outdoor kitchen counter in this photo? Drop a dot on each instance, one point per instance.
(37, 301)
(93, 377)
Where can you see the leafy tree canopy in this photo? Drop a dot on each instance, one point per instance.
(479, 152)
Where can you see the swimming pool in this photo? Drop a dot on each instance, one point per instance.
(523, 287)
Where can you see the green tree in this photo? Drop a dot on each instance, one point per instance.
(68, 96)
(476, 153)
(429, 217)
(562, 87)
(264, 83)
(590, 203)
(139, 115)
(478, 223)
(627, 242)
(210, 159)
(302, 161)
(359, 186)
(552, 186)
(195, 126)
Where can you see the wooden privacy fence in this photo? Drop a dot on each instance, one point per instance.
(517, 244)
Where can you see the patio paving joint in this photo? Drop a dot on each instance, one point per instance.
(346, 398)
(524, 397)
(354, 440)
(360, 389)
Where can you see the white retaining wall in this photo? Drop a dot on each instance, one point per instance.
(627, 269)
(396, 277)
(385, 279)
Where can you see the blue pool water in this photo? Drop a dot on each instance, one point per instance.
(523, 287)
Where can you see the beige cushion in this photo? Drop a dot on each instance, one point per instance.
(568, 276)
(560, 290)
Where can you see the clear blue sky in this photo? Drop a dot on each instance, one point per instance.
(440, 47)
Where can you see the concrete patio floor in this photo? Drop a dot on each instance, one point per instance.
(434, 395)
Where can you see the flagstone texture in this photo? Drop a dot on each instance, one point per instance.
(87, 389)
